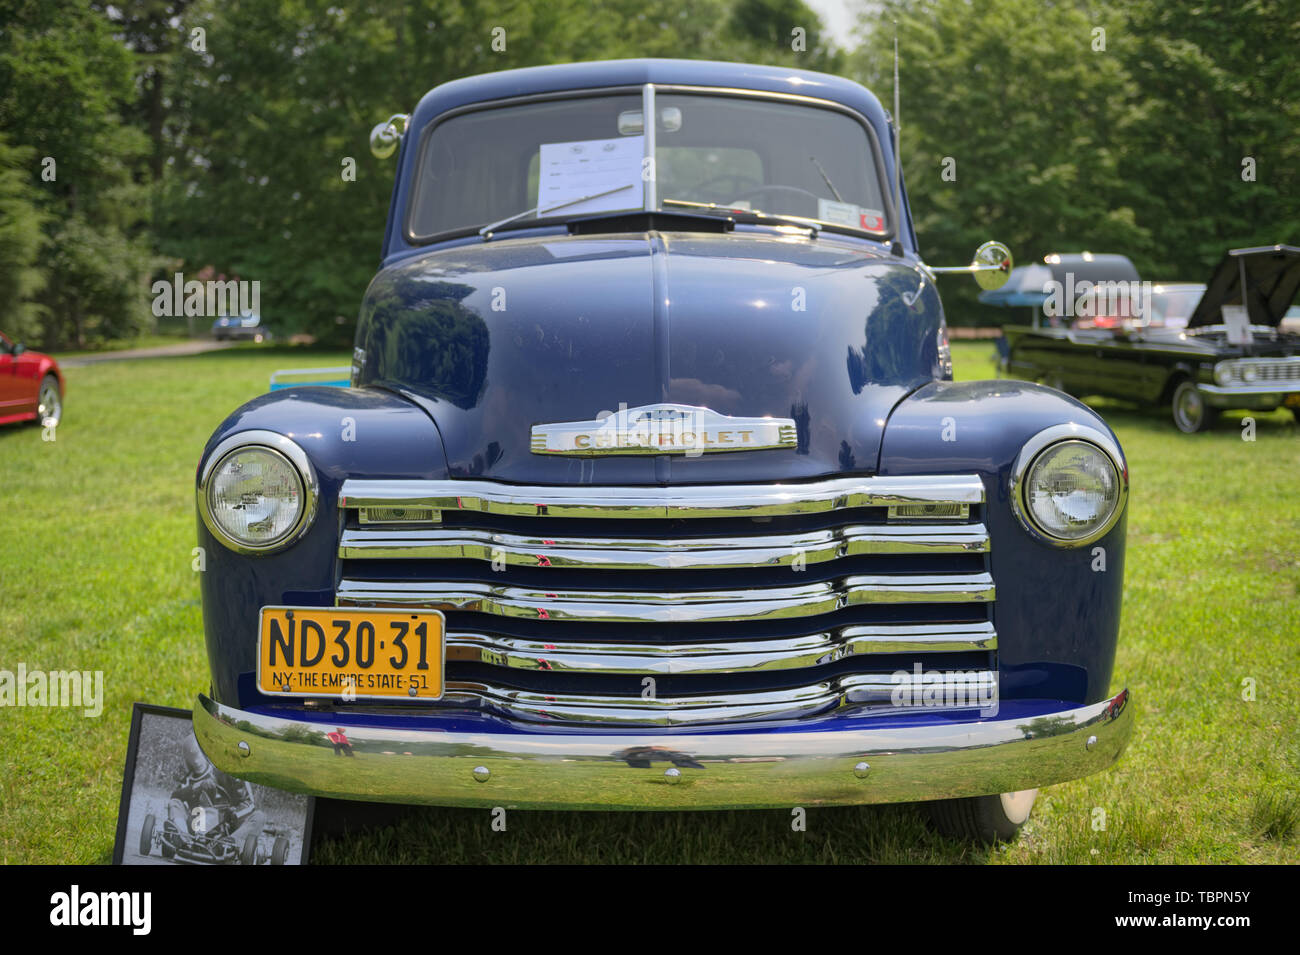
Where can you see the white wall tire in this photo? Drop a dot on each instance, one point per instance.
(984, 819)
(1191, 412)
(1017, 806)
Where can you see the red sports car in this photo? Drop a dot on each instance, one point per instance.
(31, 385)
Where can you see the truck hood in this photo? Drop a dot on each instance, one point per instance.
(494, 338)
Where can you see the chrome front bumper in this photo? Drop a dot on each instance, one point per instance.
(839, 760)
(1265, 395)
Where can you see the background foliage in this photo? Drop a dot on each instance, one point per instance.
(1090, 125)
(193, 135)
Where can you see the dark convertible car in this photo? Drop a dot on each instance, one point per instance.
(1230, 353)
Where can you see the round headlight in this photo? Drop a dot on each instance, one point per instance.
(1249, 373)
(1223, 374)
(257, 498)
(1069, 490)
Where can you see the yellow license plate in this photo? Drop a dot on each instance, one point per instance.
(351, 653)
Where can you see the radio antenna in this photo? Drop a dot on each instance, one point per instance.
(898, 154)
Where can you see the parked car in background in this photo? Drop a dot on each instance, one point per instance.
(1228, 351)
(654, 490)
(31, 385)
(1291, 321)
(1028, 290)
(1039, 290)
(240, 328)
(1172, 303)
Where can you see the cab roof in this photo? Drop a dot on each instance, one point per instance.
(602, 73)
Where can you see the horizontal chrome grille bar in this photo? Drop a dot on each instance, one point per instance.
(744, 656)
(1290, 372)
(671, 554)
(973, 688)
(678, 606)
(1265, 369)
(737, 500)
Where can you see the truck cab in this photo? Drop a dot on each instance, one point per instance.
(652, 470)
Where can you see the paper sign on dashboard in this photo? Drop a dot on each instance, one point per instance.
(570, 171)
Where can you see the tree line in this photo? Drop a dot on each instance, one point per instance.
(229, 139)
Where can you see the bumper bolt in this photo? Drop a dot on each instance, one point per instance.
(1092, 741)
(481, 774)
(244, 749)
(861, 770)
(672, 776)
(284, 687)
(410, 691)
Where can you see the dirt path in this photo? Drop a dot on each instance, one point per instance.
(196, 347)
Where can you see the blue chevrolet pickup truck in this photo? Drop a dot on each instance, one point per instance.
(652, 488)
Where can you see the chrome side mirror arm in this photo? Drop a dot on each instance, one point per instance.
(991, 265)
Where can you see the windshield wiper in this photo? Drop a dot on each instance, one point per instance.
(539, 211)
(750, 215)
(827, 179)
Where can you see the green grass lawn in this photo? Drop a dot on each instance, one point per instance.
(95, 574)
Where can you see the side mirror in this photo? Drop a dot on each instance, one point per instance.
(19, 348)
(991, 266)
(386, 135)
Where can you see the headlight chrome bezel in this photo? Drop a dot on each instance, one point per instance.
(1030, 453)
(297, 459)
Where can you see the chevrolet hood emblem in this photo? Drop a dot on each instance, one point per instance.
(662, 429)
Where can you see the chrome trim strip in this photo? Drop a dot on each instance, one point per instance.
(673, 606)
(1269, 332)
(742, 656)
(977, 688)
(778, 550)
(816, 763)
(649, 126)
(1275, 388)
(1029, 454)
(717, 500)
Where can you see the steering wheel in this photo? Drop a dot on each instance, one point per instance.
(776, 188)
(734, 178)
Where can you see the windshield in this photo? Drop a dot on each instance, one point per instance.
(532, 161)
(1172, 307)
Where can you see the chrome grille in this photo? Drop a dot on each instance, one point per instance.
(742, 601)
(1279, 370)
(1256, 370)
